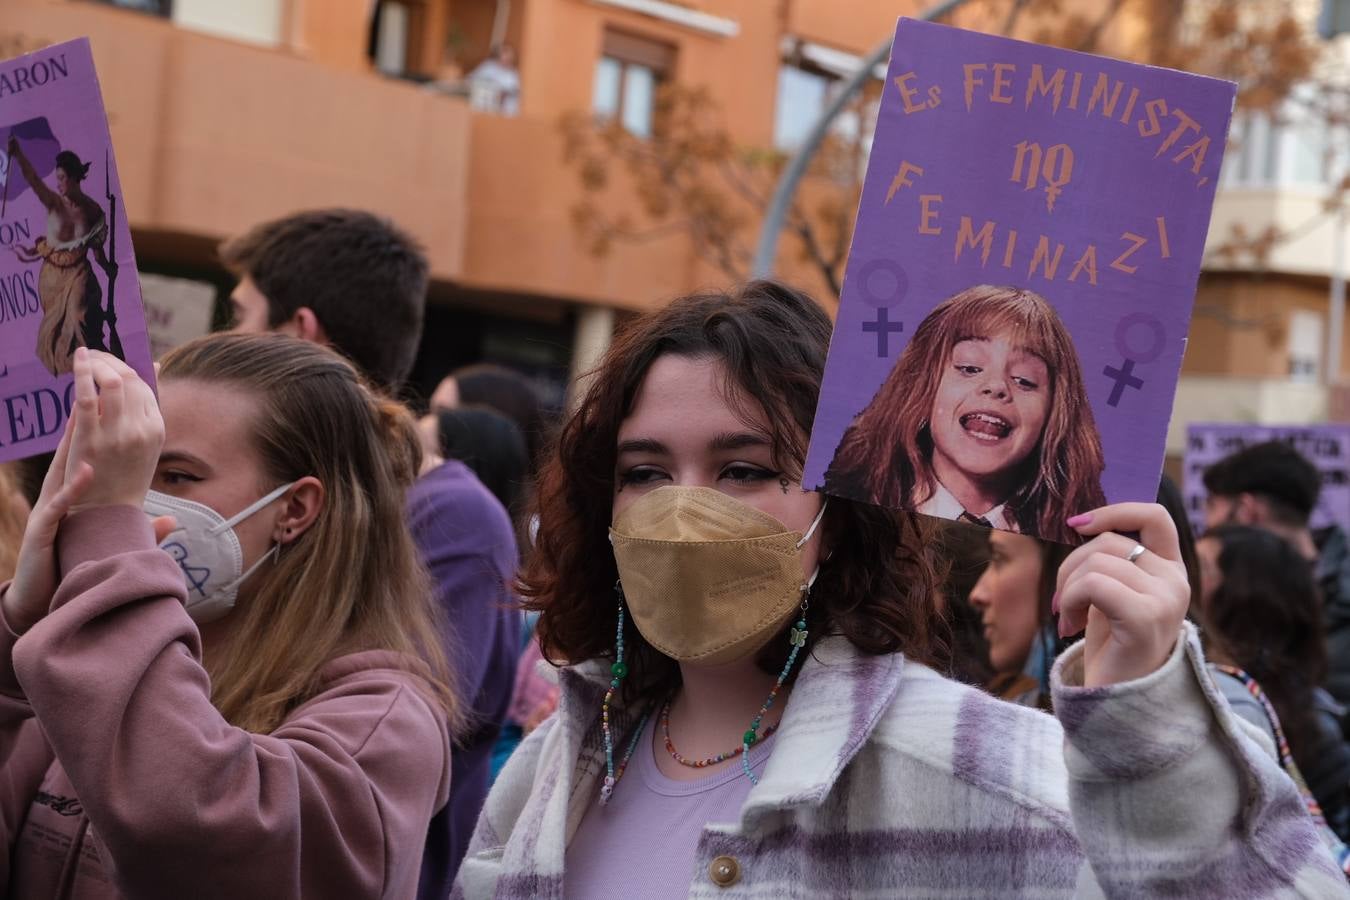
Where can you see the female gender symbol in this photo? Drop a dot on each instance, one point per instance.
(1124, 375)
(882, 326)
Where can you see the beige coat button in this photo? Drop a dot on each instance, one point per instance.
(725, 871)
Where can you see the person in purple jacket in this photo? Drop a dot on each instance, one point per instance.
(353, 281)
(220, 672)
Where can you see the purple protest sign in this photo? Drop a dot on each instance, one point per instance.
(1020, 283)
(1326, 446)
(67, 270)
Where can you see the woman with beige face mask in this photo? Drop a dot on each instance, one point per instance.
(749, 708)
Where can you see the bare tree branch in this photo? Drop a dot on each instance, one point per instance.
(691, 178)
(808, 237)
(1014, 13)
(1094, 35)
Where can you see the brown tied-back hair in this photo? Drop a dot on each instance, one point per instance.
(353, 580)
(876, 584)
(886, 454)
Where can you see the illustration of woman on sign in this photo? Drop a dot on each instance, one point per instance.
(984, 418)
(72, 301)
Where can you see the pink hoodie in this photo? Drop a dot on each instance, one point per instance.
(118, 778)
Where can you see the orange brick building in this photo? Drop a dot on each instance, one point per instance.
(227, 114)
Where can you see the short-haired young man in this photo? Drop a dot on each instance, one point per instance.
(341, 277)
(352, 280)
(1273, 486)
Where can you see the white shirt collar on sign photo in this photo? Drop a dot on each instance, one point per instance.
(944, 505)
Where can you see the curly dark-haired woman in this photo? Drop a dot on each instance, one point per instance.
(752, 712)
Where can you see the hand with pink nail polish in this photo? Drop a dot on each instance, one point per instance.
(1131, 604)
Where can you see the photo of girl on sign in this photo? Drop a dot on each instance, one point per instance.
(984, 418)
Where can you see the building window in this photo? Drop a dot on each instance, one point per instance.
(804, 92)
(802, 96)
(627, 76)
(1293, 148)
(396, 38)
(1308, 152)
(1305, 345)
(153, 7)
(809, 80)
(391, 38)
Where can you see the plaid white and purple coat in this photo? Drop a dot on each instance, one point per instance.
(889, 780)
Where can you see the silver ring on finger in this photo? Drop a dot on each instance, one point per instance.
(1138, 551)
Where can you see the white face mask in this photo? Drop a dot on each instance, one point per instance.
(207, 549)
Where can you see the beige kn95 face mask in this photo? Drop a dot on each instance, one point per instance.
(705, 576)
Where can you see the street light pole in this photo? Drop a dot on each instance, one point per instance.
(1336, 312)
(1334, 21)
(767, 250)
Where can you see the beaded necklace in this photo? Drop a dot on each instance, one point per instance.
(708, 761)
(619, 670)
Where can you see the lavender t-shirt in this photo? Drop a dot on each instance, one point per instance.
(642, 845)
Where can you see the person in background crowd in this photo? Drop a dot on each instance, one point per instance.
(508, 392)
(353, 281)
(28, 474)
(1263, 616)
(1015, 597)
(963, 551)
(533, 700)
(502, 389)
(494, 84)
(492, 446)
(1273, 486)
(1240, 690)
(796, 743)
(245, 696)
(14, 510)
(345, 278)
(495, 387)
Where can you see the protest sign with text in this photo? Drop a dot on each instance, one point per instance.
(1020, 282)
(67, 271)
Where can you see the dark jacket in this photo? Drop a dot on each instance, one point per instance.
(1327, 768)
(1333, 579)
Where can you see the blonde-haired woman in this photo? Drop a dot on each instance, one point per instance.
(260, 711)
(13, 518)
(984, 418)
